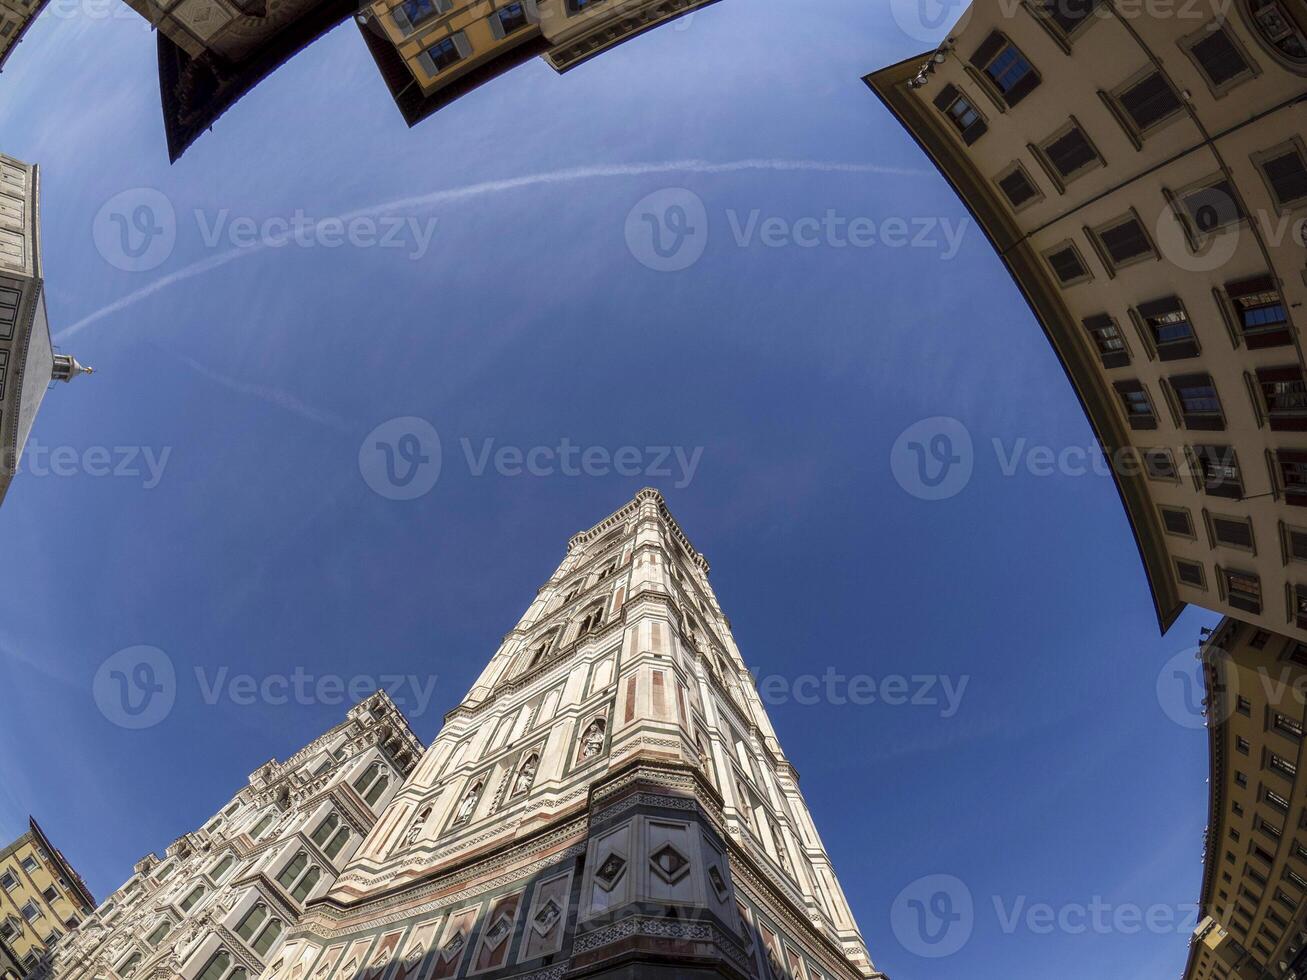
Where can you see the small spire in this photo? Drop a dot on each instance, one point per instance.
(67, 367)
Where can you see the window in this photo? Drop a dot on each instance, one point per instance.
(371, 783)
(7, 929)
(1260, 313)
(1160, 465)
(1107, 338)
(1006, 68)
(1241, 780)
(1176, 520)
(964, 116)
(256, 832)
(31, 911)
(1292, 464)
(1287, 726)
(269, 936)
(1300, 606)
(9, 881)
(1284, 394)
(1219, 57)
(326, 829)
(1069, 15)
(1220, 469)
(1190, 573)
(1138, 407)
(221, 868)
(1124, 242)
(1244, 707)
(1242, 744)
(129, 965)
(1259, 639)
(1067, 265)
(292, 872)
(51, 895)
(1200, 406)
(337, 842)
(1148, 102)
(1166, 324)
(1211, 206)
(1069, 152)
(1243, 590)
(29, 864)
(159, 934)
(217, 967)
(1285, 171)
(591, 620)
(507, 20)
(1018, 188)
(442, 55)
(192, 898)
(251, 922)
(1233, 532)
(305, 885)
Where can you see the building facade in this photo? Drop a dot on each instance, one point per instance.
(1253, 905)
(609, 800)
(431, 51)
(16, 17)
(1144, 178)
(218, 904)
(42, 898)
(28, 361)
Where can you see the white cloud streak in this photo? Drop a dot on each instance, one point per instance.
(455, 195)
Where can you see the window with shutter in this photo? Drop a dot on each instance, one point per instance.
(1167, 324)
(1284, 395)
(1190, 573)
(1260, 312)
(1107, 338)
(1149, 102)
(1070, 152)
(964, 116)
(1292, 466)
(1138, 406)
(1067, 265)
(1018, 188)
(1176, 520)
(1220, 470)
(1200, 406)
(1285, 170)
(1003, 64)
(1218, 56)
(1125, 241)
(1070, 15)
(1211, 206)
(1233, 532)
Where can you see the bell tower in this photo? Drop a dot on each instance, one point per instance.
(610, 801)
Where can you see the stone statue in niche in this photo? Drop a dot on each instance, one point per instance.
(526, 776)
(419, 825)
(469, 803)
(592, 742)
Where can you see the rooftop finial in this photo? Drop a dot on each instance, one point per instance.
(67, 367)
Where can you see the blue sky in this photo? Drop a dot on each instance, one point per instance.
(527, 318)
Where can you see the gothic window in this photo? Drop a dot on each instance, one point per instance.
(540, 651)
(159, 934)
(192, 898)
(337, 842)
(221, 868)
(292, 872)
(377, 789)
(368, 778)
(419, 825)
(250, 924)
(268, 937)
(468, 804)
(255, 832)
(217, 967)
(591, 620)
(305, 885)
(326, 829)
(526, 776)
(129, 965)
(592, 741)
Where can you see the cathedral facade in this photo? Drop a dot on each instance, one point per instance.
(610, 800)
(220, 902)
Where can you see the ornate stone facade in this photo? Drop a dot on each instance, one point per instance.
(220, 902)
(610, 800)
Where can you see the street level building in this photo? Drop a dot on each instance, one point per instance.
(218, 904)
(609, 800)
(28, 361)
(42, 898)
(1143, 176)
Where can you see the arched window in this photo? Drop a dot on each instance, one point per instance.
(325, 829)
(192, 898)
(159, 934)
(250, 924)
(292, 872)
(264, 823)
(539, 652)
(336, 843)
(591, 620)
(129, 965)
(367, 777)
(377, 789)
(305, 885)
(222, 867)
(217, 966)
(268, 938)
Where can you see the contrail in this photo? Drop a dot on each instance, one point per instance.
(488, 187)
(274, 396)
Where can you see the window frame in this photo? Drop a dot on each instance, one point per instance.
(1059, 248)
(1137, 133)
(1262, 157)
(1015, 167)
(1113, 265)
(1219, 90)
(1060, 180)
